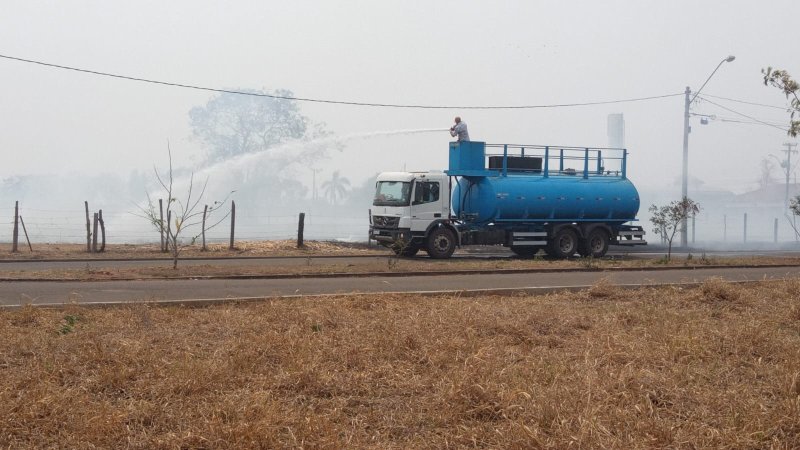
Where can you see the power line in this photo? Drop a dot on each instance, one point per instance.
(336, 102)
(782, 108)
(744, 115)
(729, 119)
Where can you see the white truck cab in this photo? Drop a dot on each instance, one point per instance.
(406, 210)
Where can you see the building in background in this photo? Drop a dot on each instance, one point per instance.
(616, 131)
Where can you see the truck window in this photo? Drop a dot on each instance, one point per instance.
(392, 193)
(426, 192)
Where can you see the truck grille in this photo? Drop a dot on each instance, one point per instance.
(385, 221)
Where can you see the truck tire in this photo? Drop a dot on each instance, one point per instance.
(410, 249)
(525, 251)
(564, 244)
(595, 245)
(441, 243)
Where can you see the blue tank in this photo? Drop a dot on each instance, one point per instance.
(517, 198)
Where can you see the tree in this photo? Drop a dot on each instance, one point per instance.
(783, 81)
(180, 214)
(668, 219)
(235, 124)
(336, 187)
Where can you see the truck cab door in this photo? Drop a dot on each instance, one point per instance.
(427, 203)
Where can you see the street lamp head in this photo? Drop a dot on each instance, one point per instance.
(730, 58)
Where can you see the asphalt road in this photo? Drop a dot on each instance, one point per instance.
(16, 293)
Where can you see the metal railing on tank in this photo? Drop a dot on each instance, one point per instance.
(556, 160)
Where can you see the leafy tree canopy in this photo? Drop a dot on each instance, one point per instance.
(783, 81)
(235, 124)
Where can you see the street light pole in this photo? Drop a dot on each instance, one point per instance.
(686, 129)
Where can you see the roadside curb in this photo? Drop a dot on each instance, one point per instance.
(467, 293)
(399, 274)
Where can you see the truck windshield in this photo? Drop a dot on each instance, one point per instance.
(392, 193)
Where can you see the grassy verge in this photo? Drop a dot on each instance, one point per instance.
(243, 248)
(309, 266)
(716, 366)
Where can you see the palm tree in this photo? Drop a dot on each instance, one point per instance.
(336, 187)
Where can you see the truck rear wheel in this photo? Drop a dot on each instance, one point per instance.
(441, 243)
(564, 244)
(595, 245)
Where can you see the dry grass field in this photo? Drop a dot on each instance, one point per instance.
(716, 366)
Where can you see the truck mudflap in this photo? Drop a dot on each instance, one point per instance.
(630, 235)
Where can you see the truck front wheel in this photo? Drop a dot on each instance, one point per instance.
(441, 243)
(406, 248)
(564, 244)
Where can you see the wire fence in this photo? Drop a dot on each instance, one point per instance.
(125, 227)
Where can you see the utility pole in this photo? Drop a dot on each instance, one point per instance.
(686, 129)
(790, 148)
(314, 184)
(685, 177)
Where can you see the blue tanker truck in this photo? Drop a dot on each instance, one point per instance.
(562, 200)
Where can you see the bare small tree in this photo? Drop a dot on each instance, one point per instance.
(183, 214)
(794, 207)
(668, 219)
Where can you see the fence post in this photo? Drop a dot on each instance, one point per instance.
(693, 217)
(233, 223)
(161, 221)
(14, 242)
(724, 228)
(775, 237)
(95, 224)
(102, 232)
(369, 235)
(26, 233)
(745, 227)
(88, 229)
(205, 211)
(300, 226)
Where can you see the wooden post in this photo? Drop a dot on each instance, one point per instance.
(300, 227)
(369, 235)
(745, 227)
(693, 216)
(775, 237)
(103, 232)
(233, 223)
(88, 229)
(15, 239)
(205, 211)
(94, 232)
(169, 231)
(161, 221)
(29, 240)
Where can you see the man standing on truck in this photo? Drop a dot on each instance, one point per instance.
(459, 130)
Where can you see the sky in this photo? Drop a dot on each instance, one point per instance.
(411, 52)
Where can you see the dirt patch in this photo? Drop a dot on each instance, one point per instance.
(603, 368)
